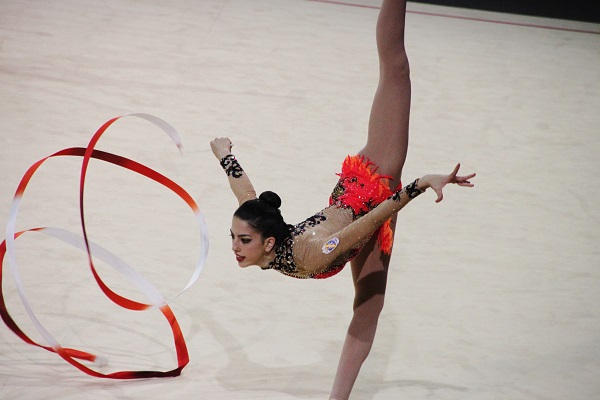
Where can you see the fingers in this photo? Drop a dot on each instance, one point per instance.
(221, 146)
(440, 181)
(453, 174)
(464, 180)
(223, 141)
(439, 192)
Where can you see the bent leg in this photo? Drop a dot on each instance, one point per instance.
(369, 273)
(387, 140)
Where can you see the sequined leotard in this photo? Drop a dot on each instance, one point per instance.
(321, 245)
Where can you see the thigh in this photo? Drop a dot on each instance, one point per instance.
(369, 273)
(387, 140)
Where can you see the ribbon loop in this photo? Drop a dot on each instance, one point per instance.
(82, 242)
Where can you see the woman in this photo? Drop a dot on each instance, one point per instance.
(358, 224)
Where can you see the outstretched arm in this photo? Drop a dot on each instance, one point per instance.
(238, 180)
(376, 217)
(358, 230)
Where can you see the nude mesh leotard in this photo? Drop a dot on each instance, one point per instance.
(321, 245)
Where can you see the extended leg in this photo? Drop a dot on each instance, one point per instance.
(387, 145)
(387, 140)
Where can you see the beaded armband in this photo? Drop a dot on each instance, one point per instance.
(411, 190)
(231, 166)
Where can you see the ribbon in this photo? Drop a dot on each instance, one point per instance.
(82, 242)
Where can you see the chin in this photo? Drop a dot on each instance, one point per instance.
(244, 264)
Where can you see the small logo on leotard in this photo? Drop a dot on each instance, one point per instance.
(330, 245)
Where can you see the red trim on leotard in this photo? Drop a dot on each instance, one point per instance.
(361, 188)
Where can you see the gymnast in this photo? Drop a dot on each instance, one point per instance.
(359, 222)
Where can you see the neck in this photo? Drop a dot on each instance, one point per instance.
(266, 259)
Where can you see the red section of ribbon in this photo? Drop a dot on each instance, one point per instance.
(68, 354)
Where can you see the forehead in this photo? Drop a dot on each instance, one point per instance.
(241, 227)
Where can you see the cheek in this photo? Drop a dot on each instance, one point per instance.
(246, 247)
(254, 247)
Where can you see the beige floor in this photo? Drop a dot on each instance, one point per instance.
(493, 294)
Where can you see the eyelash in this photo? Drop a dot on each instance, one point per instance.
(245, 241)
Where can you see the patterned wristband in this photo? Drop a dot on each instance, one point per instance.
(231, 166)
(412, 190)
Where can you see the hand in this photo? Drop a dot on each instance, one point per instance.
(437, 182)
(221, 147)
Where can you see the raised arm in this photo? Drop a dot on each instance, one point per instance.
(238, 180)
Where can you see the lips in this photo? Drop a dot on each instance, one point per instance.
(239, 258)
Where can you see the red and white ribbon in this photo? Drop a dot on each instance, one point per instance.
(155, 299)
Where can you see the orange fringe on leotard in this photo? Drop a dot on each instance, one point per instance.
(361, 188)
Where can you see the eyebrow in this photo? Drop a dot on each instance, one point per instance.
(241, 234)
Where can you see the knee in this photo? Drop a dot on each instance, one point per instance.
(369, 309)
(395, 66)
(369, 293)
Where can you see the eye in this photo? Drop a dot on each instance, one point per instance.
(246, 241)
(231, 236)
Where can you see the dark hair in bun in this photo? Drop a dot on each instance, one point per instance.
(270, 198)
(263, 215)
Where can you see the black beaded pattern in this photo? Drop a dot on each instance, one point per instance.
(411, 190)
(338, 190)
(231, 166)
(284, 258)
(284, 254)
(309, 223)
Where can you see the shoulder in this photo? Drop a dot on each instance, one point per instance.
(308, 223)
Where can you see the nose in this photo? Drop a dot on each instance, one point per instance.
(234, 247)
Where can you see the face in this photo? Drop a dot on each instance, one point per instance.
(248, 244)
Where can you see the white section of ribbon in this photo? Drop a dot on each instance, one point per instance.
(111, 259)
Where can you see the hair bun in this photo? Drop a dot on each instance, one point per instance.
(271, 198)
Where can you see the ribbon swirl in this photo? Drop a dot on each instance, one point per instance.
(82, 242)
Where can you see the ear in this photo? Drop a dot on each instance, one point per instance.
(269, 243)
